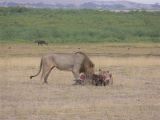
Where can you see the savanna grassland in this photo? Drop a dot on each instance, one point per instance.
(134, 95)
(78, 26)
(127, 44)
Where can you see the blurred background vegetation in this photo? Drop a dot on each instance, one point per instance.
(78, 26)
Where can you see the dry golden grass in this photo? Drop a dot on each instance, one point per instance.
(121, 50)
(135, 94)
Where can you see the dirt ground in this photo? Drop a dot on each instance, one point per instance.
(135, 94)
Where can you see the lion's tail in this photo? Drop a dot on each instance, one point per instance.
(38, 71)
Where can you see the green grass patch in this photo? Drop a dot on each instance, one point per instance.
(78, 26)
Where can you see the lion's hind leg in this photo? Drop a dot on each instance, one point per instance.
(45, 72)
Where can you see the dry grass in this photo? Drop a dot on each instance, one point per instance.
(135, 94)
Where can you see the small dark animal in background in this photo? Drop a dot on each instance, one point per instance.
(41, 42)
(9, 47)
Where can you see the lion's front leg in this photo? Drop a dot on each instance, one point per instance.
(75, 71)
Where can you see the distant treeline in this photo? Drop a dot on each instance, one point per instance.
(75, 26)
